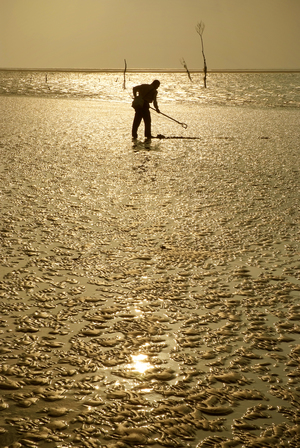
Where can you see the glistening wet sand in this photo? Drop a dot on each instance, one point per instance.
(149, 293)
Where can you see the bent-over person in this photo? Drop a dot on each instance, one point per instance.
(145, 94)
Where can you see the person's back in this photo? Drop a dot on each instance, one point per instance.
(148, 92)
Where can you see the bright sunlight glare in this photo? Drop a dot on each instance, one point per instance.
(139, 363)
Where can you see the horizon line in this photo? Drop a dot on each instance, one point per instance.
(151, 70)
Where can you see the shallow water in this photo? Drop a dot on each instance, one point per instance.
(149, 291)
(264, 90)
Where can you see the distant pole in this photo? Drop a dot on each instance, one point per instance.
(200, 28)
(125, 68)
(182, 61)
(46, 80)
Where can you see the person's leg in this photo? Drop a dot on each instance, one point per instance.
(136, 122)
(147, 121)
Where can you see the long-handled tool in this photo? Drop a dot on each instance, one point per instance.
(184, 125)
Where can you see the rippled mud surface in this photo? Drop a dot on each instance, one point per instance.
(149, 292)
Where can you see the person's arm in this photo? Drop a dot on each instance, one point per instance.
(135, 90)
(155, 103)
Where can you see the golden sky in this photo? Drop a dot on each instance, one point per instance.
(100, 34)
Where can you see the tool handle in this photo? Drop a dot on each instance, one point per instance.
(184, 125)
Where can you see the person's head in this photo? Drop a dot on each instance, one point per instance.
(156, 83)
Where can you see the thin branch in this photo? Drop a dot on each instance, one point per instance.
(200, 28)
(182, 61)
(125, 68)
(46, 80)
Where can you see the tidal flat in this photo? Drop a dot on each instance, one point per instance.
(149, 292)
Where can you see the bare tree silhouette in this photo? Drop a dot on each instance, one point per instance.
(124, 74)
(200, 28)
(182, 61)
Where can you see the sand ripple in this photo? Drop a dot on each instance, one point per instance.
(148, 297)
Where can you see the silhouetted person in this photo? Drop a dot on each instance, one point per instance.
(148, 93)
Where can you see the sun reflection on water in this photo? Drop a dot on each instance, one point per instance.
(140, 364)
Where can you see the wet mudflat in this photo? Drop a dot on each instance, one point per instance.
(149, 292)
